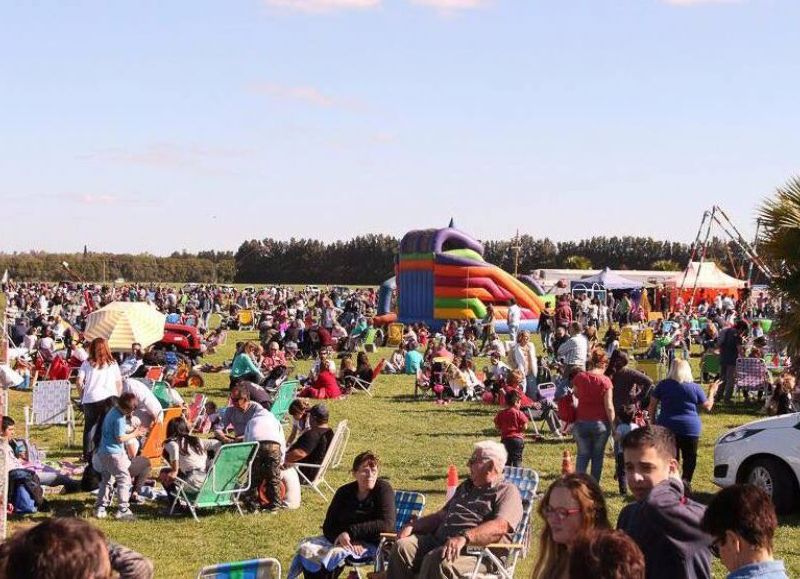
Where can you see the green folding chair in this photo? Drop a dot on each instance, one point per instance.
(284, 398)
(228, 477)
(161, 392)
(254, 569)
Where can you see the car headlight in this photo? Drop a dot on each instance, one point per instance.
(738, 435)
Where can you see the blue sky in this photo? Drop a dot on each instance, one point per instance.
(154, 126)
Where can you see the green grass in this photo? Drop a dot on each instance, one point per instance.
(416, 440)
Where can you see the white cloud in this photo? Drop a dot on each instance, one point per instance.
(168, 156)
(320, 6)
(450, 6)
(307, 95)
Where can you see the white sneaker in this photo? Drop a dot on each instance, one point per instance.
(100, 513)
(125, 515)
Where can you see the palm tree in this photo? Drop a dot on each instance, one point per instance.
(779, 243)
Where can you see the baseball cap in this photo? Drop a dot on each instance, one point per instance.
(320, 412)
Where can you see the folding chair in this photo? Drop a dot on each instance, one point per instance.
(653, 369)
(246, 319)
(363, 385)
(153, 447)
(227, 478)
(161, 392)
(369, 340)
(408, 507)
(751, 375)
(645, 338)
(710, 366)
(394, 337)
(547, 392)
(197, 409)
(332, 459)
(51, 405)
(154, 374)
(627, 338)
(500, 559)
(283, 399)
(254, 569)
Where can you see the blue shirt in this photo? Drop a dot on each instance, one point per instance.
(114, 426)
(763, 570)
(413, 361)
(679, 406)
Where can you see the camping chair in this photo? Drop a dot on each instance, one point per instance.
(408, 506)
(227, 478)
(395, 334)
(161, 392)
(197, 410)
(334, 454)
(363, 385)
(246, 319)
(154, 374)
(645, 338)
(501, 559)
(153, 447)
(627, 338)
(547, 391)
(656, 370)
(283, 399)
(51, 405)
(751, 375)
(369, 340)
(253, 569)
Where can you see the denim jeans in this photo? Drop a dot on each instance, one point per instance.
(591, 436)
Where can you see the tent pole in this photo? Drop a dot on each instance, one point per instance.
(702, 257)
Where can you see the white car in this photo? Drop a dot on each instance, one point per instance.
(765, 453)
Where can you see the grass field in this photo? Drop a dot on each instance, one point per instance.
(416, 439)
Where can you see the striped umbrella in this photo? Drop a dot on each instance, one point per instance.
(124, 323)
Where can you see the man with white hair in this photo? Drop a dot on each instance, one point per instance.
(484, 509)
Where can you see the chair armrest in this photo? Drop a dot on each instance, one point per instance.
(388, 535)
(305, 464)
(505, 546)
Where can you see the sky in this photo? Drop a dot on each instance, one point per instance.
(154, 126)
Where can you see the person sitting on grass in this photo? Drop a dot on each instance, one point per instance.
(244, 365)
(325, 385)
(742, 521)
(396, 363)
(663, 522)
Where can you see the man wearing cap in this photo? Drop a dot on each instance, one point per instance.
(313, 444)
(484, 510)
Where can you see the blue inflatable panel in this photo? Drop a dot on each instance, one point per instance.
(501, 327)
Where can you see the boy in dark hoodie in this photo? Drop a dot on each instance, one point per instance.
(663, 522)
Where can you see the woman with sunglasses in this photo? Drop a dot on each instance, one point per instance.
(572, 507)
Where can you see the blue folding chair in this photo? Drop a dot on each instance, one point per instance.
(254, 569)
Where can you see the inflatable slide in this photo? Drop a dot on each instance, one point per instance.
(441, 275)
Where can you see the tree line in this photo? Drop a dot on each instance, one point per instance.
(365, 259)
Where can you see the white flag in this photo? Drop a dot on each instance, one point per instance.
(5, 277)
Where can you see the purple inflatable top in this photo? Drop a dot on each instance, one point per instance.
(438, 240)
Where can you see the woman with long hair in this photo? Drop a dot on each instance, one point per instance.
(572, 507)
(99, 379)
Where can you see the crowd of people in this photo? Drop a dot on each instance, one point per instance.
(579, 384)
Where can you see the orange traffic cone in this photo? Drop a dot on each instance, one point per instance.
(452, 482)
(566, 463)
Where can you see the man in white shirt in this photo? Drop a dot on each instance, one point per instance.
(265, 429)
(573, 352)
(148, 408)
(513, 318)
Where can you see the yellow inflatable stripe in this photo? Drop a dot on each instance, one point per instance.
(453, 314)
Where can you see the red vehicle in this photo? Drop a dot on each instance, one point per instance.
(186, 340)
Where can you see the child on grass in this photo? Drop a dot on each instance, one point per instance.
(511, 423)
(663, 522)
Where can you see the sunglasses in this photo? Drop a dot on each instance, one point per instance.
(560, 513)
(715, 545)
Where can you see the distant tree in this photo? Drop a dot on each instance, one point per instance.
(666, 265)
(577, 262)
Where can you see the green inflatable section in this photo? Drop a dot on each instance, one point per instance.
(466, 253)
(473, 304)
(410, 256)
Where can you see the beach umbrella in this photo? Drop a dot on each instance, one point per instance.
(124, 323)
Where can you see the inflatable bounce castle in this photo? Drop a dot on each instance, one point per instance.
(440, 275)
